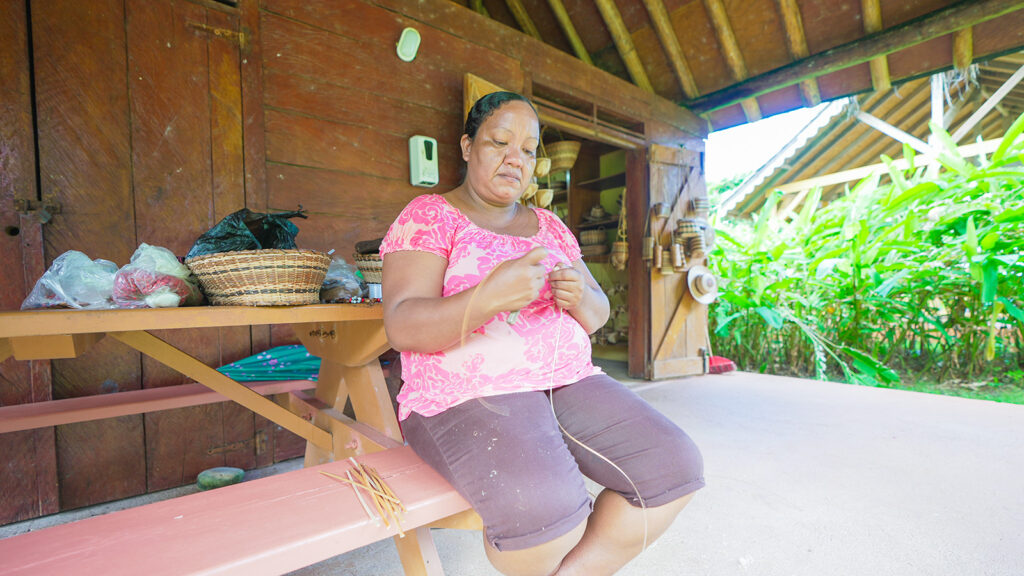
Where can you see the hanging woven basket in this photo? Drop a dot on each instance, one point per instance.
(563, 154)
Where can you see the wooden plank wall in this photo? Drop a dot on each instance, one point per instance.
(340, 105)
(31, 492)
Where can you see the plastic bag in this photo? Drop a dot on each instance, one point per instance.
(155, 279)
(247, 230)
(342, 282)
(74, 281)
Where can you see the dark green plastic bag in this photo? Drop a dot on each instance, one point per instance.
(248, 230)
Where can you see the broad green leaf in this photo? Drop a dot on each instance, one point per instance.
(1009, 139)
(909, 155)
(886, 287)
(773, 318)
(949, 155)
(989, 241)
(971, 240)
(990, 282)
(871, 367)
(1014, 215)
(1012, 309)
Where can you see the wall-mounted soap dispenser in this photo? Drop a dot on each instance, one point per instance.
(423, 161)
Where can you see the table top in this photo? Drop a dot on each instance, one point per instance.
(72, 321)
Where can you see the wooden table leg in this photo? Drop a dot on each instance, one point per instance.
(5, 349)
(418, 553)
(195, 369)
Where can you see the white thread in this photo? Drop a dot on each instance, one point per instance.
(551, 397)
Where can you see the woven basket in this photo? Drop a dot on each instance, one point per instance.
(563, 154)
(261, 277)
(370, 265)
(591, 237)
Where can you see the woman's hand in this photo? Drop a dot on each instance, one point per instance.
(516, 283)
(567, 285)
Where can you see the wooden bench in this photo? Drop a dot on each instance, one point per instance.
(267, 526)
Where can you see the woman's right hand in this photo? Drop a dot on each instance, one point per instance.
(515, 283)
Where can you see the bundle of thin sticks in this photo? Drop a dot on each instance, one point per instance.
(384, 499)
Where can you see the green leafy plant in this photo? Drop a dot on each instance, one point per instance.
(919, 276)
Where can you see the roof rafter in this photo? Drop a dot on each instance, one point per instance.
(522, 17)
(670, 42)
(794, 25)
(916, 31)
(624, 43)
(872, 12)
(731, 50)
(562, 15)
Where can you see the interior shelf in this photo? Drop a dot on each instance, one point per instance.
(613, 181)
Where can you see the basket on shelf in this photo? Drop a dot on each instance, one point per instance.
(370, 265)
(261, 277)
(563, 154)
(591, 237)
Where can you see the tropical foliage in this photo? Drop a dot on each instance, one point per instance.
(916, 278)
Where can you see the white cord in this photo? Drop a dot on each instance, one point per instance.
(551, 397)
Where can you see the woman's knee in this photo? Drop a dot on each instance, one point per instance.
(540, 560)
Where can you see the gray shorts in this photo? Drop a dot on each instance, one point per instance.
(506, 455)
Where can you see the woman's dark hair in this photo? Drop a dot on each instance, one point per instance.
(485, 106)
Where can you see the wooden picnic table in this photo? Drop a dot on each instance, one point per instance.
(348, 338)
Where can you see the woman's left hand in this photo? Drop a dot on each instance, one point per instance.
(567, 285)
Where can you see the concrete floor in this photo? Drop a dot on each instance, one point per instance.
(809, 478)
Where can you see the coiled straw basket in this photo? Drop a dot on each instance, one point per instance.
(370, 266)
(261, 277)
(563, 154)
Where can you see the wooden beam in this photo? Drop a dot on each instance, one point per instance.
(938, 91)
(989, 104)
(963, 48)
(732, 53)
(939, 23)
(896, 134)
(522, 17)
(624, 43)
(86, 408)
(985, 147)
(670, 42)
(793, 22)
(872, 12)
(569, 29)
(170, 356)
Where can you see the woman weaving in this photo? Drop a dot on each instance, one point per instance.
(491, 306)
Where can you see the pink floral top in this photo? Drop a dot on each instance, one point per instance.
(496, 358)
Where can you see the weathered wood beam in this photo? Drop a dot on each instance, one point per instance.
(872, 13)
(670, 42)
(938, 91)
(793, 22)
(624, 43)
(939, 23)
(523, 18)
(963, 48)
(896, 134)
(731, 51)
(989, 104)
(569, 29)
(968, 151)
